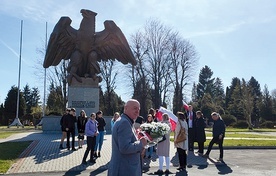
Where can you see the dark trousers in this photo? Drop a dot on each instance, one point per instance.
(191, 138)
(72, 132)
(200, 147)
(212, 142)
(182, 156)
(91, 141)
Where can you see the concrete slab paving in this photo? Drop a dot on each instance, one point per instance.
(44, 156)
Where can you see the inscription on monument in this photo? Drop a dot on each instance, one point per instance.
(83, 104)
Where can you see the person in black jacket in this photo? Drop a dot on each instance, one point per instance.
(200, 136)
(100, 137)
(64, 133)
(218, 135)
(69, 125)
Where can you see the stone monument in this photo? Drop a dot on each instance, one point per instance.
(85, 48)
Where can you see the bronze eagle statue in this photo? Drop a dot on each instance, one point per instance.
(85, 47)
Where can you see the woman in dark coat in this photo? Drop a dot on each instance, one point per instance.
(200, 136)
(82, 119)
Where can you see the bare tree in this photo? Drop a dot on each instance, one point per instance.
(165, 62)
(55, 76)
(109, 75)
(183, 62)
(157, 38)
(139, 79)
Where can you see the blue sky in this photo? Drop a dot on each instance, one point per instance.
(234, 38)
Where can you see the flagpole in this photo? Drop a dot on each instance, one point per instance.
(45, 74)
(44, 98)
(16, 121)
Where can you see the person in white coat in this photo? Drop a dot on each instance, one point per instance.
(181, 147)
(163, 149)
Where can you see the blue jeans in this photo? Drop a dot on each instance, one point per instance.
(99, 141)
(149, 151)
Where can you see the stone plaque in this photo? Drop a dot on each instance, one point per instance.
(83, 104)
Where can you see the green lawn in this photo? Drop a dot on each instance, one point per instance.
(243, 135)
(234, 142)
(229, 129)
(6, 132)
(10, 151)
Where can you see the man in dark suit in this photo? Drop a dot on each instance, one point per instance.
(191, 117)
(126, 147)
(69, 125)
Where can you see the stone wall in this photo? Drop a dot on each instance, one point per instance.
(51, 124)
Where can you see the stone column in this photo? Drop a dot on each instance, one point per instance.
(84, 96)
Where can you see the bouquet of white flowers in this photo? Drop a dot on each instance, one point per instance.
(154, 132)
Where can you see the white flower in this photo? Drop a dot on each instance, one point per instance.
(156, 129)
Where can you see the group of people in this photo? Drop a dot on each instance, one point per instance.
(92, 127)
(128, 149)
(196, 132)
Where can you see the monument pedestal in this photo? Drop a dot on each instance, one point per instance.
(84, 96)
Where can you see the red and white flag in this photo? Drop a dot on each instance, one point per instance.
(185, 105)
(173, 118)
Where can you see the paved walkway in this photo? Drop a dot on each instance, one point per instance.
(44, 155)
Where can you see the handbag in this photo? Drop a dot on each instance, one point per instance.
(181, 135)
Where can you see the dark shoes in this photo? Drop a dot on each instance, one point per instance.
(73, 149)
(181, 169)
(159, 172)
(95, 154)
(60, 146)
(168, 172)
(92, 161)
(220, 159)
(99, 154)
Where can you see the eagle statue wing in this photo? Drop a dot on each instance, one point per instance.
(61, 43)
(112, 44)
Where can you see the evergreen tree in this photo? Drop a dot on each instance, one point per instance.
(273, 96)
(219, 96)
(2, 119)
(207, 106)
(116, 104)
(11, 104)
(205, 83)
(229, 91)
(247, 102)
(55, 100)
(257, 94)
(266, 105)
(35, 97)
(28, 98)
(235, 107)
